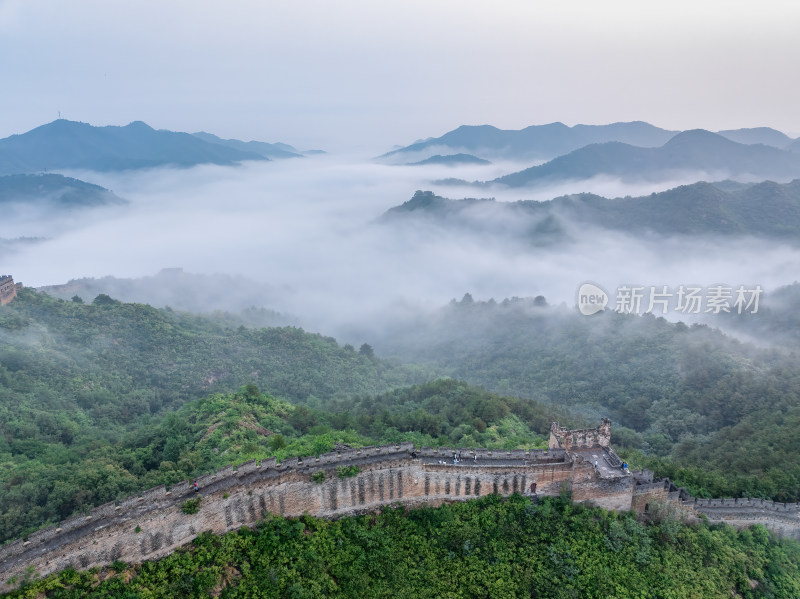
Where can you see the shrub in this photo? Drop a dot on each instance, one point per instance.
(347, 471)
(191, 506)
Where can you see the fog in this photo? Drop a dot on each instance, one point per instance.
(303, 237)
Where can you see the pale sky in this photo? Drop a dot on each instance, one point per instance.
(364, 75)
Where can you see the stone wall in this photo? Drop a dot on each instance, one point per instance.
(8, 291)
(152, 525)
(781, 518)
(610, 493)
(563, 438)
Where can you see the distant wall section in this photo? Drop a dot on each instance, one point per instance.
(8, 290)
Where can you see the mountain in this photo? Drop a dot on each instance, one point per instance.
(686, 152)
(180, 290)
(54, 191)
(132, 394)
(758, 135)
(66, 144)
(537, 142)
(90, 373)
(450, 160)
(267, 150)
(765, 209)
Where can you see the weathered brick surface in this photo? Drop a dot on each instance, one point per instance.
(388, 475)
(573, 439)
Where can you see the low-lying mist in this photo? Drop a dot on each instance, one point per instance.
(306, 232)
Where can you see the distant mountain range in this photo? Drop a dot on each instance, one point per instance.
(545, 142)
(53, 191)
(450, 160)
(274, 151)
(184, 291)
(687, 152)
(758, 135)
(765, 209)
(538, 142)
(66, 144)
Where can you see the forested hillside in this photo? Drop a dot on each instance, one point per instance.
(116, 361)
(766, 210)
(54, 192)
(77, 378)
(101, 400)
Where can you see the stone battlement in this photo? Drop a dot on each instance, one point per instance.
(561, 437)
(781, 518)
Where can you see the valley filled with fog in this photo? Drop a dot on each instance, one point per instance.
(305, 238)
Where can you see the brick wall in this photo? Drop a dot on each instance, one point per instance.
(240, 496)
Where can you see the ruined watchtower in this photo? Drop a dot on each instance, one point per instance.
(8, 291)
(562, 438)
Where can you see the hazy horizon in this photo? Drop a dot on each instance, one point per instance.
(362, 77)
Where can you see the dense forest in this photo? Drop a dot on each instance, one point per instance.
(76, 378)
(487, 547)
(103, 399)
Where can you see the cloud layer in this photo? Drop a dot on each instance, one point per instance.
(306, 231)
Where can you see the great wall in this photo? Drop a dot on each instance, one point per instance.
(153, 524)
(8, 290)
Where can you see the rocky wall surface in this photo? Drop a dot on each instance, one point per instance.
(153, 525)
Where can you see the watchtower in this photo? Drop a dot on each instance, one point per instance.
(8, 291)
(562, 438)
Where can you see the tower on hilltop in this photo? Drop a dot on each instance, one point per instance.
(562, 438)
(8, 290)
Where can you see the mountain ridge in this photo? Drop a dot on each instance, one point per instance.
(64, 144)
(270, 151)
(763, 209)
(54, 190)
(537, 141)
(695, 150)
(548, 141)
